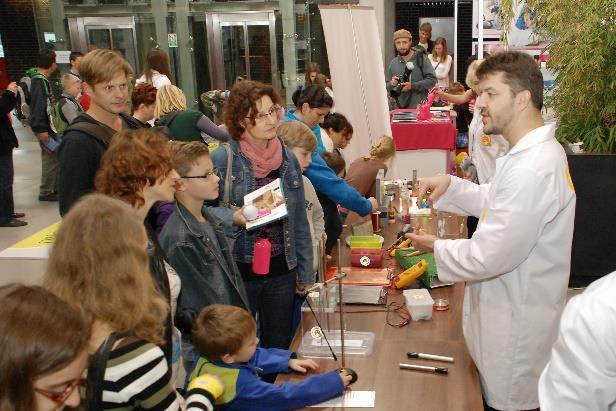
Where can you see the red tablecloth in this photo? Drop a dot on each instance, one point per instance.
(439, 134)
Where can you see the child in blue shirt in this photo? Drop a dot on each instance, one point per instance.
(225, 336)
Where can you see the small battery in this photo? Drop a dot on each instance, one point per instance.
(440, 304)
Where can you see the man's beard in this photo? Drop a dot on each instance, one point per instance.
(404, 53)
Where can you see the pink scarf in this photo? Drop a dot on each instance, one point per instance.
(263, 160)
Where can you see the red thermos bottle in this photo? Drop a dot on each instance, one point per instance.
(261, 256)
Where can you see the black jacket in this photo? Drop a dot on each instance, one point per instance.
(430, 45)
(83, 144)
(8, 139)
(39, 103)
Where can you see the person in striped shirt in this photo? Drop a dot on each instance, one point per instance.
(99, 265)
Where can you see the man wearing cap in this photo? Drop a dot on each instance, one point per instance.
(422, 77)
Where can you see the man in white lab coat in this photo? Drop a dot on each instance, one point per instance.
(581, 374)
(516, 265)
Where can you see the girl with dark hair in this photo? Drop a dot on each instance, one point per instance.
(258, 157)
(339, 130)
(157, 71)
(43, 350)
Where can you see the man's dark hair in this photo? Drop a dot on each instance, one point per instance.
(74, 55)
(520, 72)
(316, 97)
(46, 58)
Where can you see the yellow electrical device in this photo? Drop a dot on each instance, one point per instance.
(408, 275)
(403, 244)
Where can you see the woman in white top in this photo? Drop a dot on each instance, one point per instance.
(157, 71)
(441, 61)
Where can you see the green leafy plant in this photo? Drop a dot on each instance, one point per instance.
(582, 46)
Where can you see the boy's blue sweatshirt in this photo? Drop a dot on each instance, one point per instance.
(246, 391)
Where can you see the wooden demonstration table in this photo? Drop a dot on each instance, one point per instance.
(398, 389)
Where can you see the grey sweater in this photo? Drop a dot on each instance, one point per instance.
(422, 78)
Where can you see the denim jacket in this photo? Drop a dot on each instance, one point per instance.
(209, 276)
(297, 240)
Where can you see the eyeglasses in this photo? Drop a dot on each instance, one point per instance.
(206, 175)
(59, 397)
(273, 111)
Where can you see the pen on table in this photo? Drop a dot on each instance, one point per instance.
(437, 370)
(428, 356)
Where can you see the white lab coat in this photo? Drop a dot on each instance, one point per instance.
(581, 374)
(484, 150)
(516, 265)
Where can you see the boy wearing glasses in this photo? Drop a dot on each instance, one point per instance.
(196, 246)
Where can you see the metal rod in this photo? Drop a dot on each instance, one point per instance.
(317, 286)
(322, 332)
(324, 261)
(341, 305)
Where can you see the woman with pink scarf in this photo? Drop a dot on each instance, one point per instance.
(252, 115)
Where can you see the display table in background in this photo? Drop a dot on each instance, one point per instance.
(400, 389)
(424, 146)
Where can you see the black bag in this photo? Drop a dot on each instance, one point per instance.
(96, 374)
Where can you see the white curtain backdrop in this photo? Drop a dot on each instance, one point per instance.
(358, 76)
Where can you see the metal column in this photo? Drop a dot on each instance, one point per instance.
(56, 10)
(289, 37)
(186, 50)
(159, 11)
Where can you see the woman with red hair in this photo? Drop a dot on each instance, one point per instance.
(137, 169)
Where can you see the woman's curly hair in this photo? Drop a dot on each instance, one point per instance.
(135, 159)
(242, 104)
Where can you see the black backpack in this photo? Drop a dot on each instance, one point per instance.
(24, 88)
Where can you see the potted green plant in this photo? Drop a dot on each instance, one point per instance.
(581, 38)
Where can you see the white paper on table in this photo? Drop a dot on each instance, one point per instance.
(351, 399)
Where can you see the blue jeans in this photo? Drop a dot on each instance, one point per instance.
(272, 302)
(6, 187)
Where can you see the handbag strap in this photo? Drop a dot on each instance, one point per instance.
(96, 373)
(228, 174)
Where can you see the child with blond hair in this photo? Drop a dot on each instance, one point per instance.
(362, 172)
(302, 142)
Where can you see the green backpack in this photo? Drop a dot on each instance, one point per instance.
(57, 118)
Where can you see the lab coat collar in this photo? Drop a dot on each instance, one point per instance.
(533, 138)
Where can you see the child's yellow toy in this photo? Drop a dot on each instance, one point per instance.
(408, 275)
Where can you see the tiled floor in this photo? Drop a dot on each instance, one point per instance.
(27, 161)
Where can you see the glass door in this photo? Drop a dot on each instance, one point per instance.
(99, 38)
(242, 44)
(120, 38)
(259, 52)
(234, 52)
(123, 40)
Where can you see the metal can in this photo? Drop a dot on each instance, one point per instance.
(440, 304)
